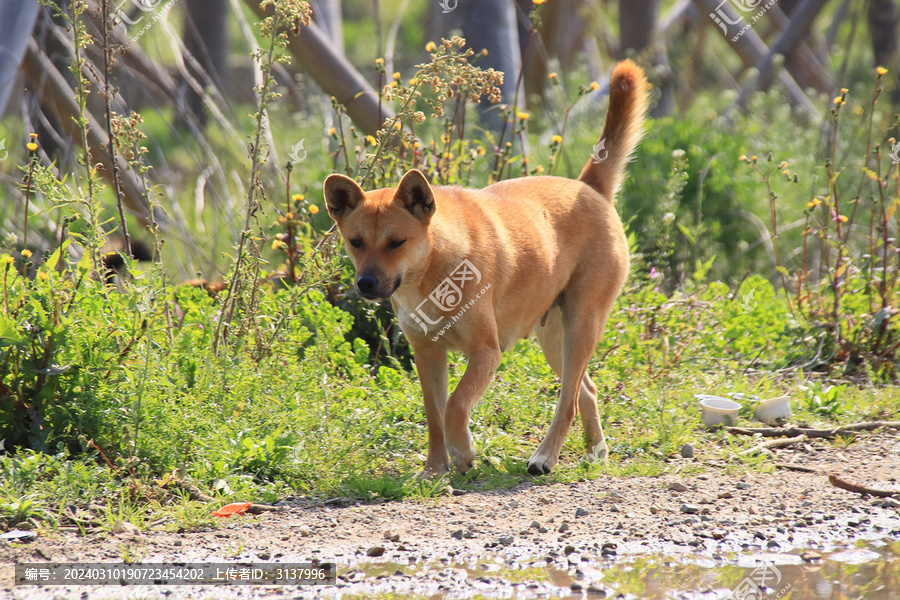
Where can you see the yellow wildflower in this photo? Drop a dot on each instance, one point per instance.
(332, 131)
(595, 86)
(429, 47)
(371, 140)
(881, 71)
(26, 253)
(277, 244)
(552, 75)
(398, 125)
(481, 151)
(523, 115)
(297, 197)
(786, 172)
(539, 169)
(31, 146)
(289, 216)
(843, 218)
(313, 209)
(32, 136)
(837, 100)
(379, 61)
(556, 139)
(538, 2)
(844, 90)
(742, 157)
(396, 75)
(8, 260)
(783, 164)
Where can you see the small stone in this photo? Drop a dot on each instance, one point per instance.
(563, 528)
(687, 451)
(676, 486)
(264, 555)
(457, 534)
(596, 592)
(305, 531)
(653, 509)
(725, 495)
(575, 587)
(690, 509)
(580, 512)
(542, 529)
(505, 540)
(569, 550)
(375, 551)
(125, 527)
(743, 485)
(810, 556)
(535, 525)
(886, 503)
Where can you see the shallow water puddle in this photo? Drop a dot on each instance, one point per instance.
(870, 570)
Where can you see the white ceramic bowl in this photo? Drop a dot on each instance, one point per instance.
(718, 411)
(774, 410)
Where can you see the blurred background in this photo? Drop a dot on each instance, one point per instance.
(730, 77)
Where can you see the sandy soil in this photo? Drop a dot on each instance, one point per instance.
(530, 541)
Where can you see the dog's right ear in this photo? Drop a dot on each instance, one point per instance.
(342, 195)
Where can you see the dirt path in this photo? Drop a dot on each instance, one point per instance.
(528, 541)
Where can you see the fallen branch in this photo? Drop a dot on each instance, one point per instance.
(798, 468)
(780, 443)
(858, 489)
(813, 433)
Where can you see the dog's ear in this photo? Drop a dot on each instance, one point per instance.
(415, 195)
(342, 195)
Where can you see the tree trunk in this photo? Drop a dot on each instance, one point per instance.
(882, 18)
(637, 21)
(206, 51)
(327, 13)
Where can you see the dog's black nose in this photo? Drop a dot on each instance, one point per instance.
(366, 284)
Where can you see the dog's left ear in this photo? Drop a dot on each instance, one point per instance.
(415, 195)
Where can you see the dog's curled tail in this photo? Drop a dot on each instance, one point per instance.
(628, 96)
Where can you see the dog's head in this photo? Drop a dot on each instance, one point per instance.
(386, 231)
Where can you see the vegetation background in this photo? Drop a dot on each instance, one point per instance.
(761, 211)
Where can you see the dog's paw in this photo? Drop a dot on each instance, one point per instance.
(463, 459)
(433, 471)
(599, 453)
(539, 464)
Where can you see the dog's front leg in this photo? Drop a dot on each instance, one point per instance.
(482, 363)
(431, 364)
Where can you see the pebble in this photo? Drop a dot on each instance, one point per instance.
(687, 451)
(743, 485)
(391, 536)
(375, 551)
(563, 528)
(457, 534)
(676, 486)
(505, 540)
(810, 556)
(580, 512)
(690, 509)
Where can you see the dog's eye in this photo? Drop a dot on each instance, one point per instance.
(356, 243)
(395, 244)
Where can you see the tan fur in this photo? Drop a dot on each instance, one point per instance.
(552, 257)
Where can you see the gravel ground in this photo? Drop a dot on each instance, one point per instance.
(582, 540)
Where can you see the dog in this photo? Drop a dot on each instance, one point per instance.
(474, 271)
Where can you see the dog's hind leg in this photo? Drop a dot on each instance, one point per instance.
(568, 342)
(550, 337)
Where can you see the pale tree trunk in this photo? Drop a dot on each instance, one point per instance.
(327, 13)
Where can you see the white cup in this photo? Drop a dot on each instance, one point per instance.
(718, 411)
(774, 410)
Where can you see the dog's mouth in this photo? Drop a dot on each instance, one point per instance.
(378, 292)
